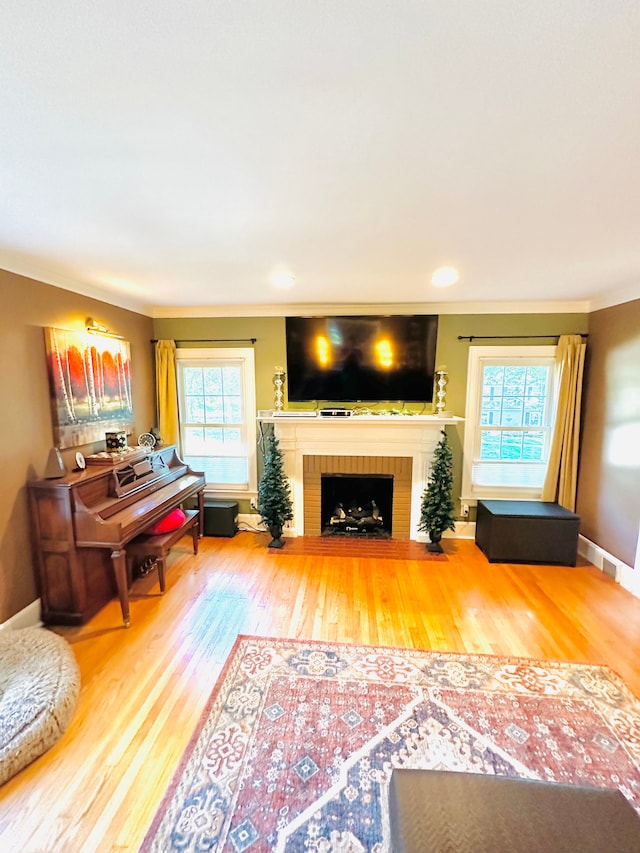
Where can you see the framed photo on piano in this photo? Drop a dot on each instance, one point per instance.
(90, 386)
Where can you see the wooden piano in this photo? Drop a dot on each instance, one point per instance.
(83, 521)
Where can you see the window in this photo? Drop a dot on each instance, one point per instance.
(216, 398)
(509, 421)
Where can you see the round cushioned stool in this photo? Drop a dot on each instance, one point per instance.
(39, 687)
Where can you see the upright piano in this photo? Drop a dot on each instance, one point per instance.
(83, 521)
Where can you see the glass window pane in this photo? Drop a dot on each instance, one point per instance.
(492, 379)
(195, 410)
(512, 412)
(537, 379)
(232, 410)
(213, 380)
(233, 440)
(533, 412)
(194, 440)
(489, 444)
(491, 411)
(533, 446)
(213, 440)
(193, 380)
(232, 380)
(514, 380)
(511, 445)
(214, 407)
(222, 441)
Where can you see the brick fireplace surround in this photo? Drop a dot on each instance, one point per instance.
(399, 445)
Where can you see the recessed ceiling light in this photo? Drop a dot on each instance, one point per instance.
(445, 277)
(282, 280)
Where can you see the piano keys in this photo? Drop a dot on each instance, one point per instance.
(83, 522)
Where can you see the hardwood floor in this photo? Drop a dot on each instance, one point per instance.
(143, 688)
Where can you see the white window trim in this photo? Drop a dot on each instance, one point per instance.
(477, 354)
(246, 354)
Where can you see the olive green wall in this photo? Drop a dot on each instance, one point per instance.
(26, 433)
(234, 331)
(270, 349)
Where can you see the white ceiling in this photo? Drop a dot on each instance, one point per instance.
(169, 156)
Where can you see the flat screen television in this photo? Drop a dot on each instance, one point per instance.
(361, 359)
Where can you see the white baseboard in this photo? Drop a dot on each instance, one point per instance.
(464, 530)
(627, 576)
(28, 617)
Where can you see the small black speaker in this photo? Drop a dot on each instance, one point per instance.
(220, 518)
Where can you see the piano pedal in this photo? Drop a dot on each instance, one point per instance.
(146, 566)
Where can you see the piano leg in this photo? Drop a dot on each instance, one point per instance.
(119, 560)
(201, 517)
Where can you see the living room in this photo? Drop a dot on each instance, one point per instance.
(235, 583)
(143, 690)
(606, 497)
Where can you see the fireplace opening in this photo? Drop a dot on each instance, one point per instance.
(358, 505)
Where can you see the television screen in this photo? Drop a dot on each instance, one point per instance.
(361, 359)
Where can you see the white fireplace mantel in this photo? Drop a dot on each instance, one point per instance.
(414, 436)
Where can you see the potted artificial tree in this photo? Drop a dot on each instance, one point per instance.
(436, 510)
(274, 493)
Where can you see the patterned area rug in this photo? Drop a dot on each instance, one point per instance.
(296, 746)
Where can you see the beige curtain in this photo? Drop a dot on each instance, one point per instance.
(167, 391)
(562, 473)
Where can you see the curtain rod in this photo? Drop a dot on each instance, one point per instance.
(210, 340)
(511, 337)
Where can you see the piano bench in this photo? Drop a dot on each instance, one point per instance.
(159, 545)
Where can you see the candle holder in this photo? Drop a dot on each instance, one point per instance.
(441, 393)
(278, 382)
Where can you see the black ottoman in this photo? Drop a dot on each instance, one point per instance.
(527, 532)
(437, 811)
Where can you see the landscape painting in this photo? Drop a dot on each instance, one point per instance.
(90, 383)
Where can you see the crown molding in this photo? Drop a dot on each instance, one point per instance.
(616, 297)
(46, 273)
(313, 310)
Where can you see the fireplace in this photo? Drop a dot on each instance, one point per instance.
(356, 505)
(383, 446)
(395, 470)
